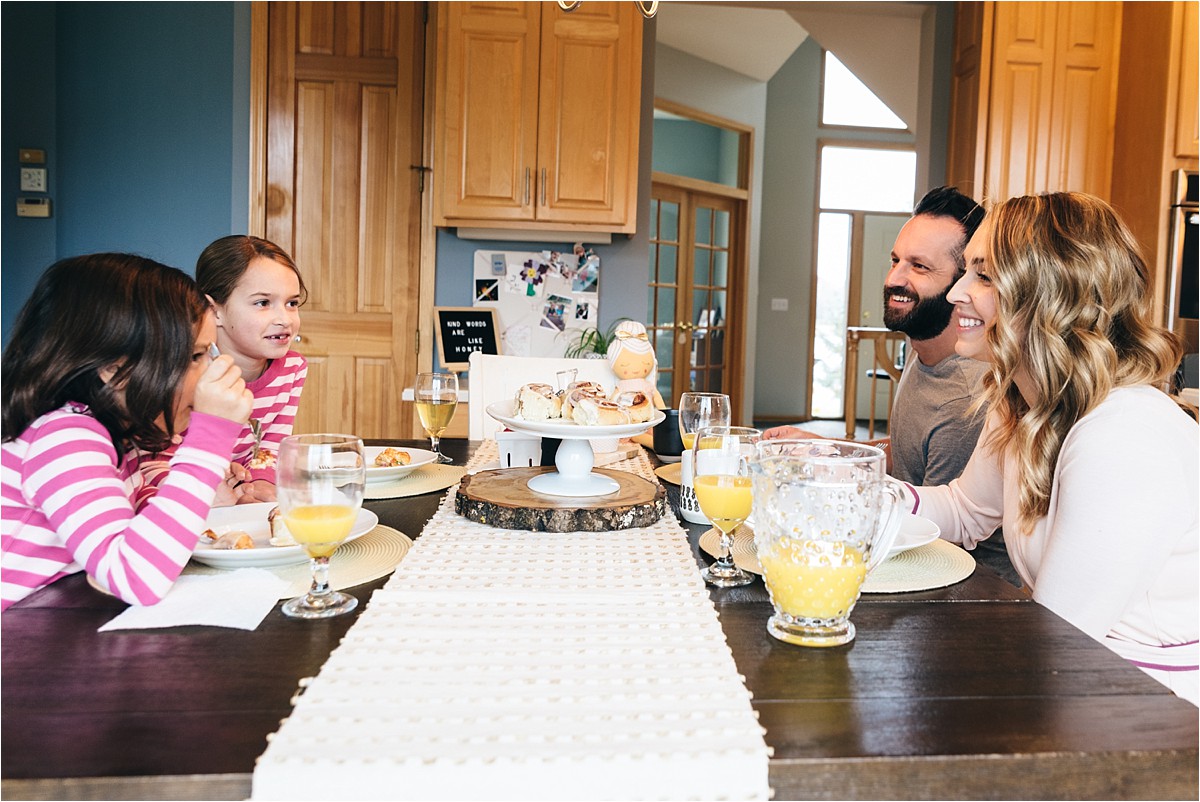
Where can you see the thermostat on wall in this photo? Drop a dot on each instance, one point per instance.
(33, 207)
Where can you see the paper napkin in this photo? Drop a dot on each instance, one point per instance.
(238, 599)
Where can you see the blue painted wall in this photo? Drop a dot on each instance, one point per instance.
(27, 81)
(135, 105)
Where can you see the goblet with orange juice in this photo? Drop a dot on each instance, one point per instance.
(721, 458)
(696, 411)
(319, 483)
(820, 509)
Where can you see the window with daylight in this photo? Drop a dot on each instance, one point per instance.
(865, 194)
(847, 100)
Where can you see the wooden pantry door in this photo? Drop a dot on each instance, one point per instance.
(340, 133)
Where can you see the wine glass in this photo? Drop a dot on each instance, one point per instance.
(696, 411)
(724, 489)
(320, 479)
(437, 397)
(700, 410)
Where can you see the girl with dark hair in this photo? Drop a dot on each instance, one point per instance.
(1089, 465)
(256, 291)
(108, 358)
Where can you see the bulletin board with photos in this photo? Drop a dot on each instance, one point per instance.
(540, 297)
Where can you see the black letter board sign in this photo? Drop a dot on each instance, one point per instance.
(462, 330)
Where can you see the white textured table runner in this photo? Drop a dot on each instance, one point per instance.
(502, 664)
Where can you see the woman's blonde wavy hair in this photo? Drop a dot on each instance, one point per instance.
(1074, 311)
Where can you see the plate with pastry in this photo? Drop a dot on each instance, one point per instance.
(584, 413)
(254, 536)
(385, 463)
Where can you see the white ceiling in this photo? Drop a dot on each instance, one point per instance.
(720, 34)
(873, 39)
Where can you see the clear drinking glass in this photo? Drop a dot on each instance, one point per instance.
(701, 410)
(696, 411)
(722, 456)
(821, 508)
(436, 395)
(319, 482)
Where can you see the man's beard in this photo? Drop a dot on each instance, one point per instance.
(927, 319)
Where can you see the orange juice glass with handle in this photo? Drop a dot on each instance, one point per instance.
(820, 511)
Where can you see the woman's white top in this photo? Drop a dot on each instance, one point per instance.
(1118, 552)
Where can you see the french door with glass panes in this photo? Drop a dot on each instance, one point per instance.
(696, 292)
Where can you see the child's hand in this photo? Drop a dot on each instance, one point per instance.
(257, 491)
(220, 391)
(229, 491)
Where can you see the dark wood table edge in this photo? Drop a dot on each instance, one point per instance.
(1099, 775)
(1152, 774)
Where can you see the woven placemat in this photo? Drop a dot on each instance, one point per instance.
(671, 473)
(934, 565)
(375, 554)
(426, 479)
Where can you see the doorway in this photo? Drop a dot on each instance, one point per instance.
(337, 107)
(864, 197)
(698, 234)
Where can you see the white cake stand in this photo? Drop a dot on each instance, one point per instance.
(574, 458)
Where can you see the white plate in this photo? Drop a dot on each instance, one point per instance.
(419, 457)
(565, 429)
(252, 519)
(914, 531)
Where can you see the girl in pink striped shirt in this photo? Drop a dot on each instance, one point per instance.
(256, 290)
(109, 356)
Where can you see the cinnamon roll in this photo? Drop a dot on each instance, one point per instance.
(635, 403)
(537, 402)
(590, 411)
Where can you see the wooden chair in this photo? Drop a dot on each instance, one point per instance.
(887, 365)
(498, 377)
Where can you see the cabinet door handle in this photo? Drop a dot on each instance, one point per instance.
(543, 186)
(526, 203)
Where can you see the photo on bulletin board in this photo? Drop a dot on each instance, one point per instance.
(540, 298)
(555, 312)
(587, 277)
(487, 289)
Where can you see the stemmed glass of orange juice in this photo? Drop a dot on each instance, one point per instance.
(721, 457)
(319, 484)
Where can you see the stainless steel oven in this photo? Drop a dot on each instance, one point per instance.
(1183, 299)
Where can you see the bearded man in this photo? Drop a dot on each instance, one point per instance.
(933, 425)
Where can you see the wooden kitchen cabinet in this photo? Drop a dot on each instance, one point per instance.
(1155, 132)
(1034, 92)
(537, 115)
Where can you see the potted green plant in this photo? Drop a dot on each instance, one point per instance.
(591, 342)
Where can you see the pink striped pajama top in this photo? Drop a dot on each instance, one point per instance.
(276, 396)
(66, 506)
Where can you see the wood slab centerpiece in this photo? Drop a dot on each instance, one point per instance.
(502, 498)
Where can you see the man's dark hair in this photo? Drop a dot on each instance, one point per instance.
(949, 202)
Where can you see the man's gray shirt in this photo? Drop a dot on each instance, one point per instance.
(933, 430)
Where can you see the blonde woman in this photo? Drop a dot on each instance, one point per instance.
(1088, 465)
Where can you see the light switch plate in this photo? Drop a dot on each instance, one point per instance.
(779, 304)
(33, 179)
(33, 207)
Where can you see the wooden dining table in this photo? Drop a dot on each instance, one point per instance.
(971, 691)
